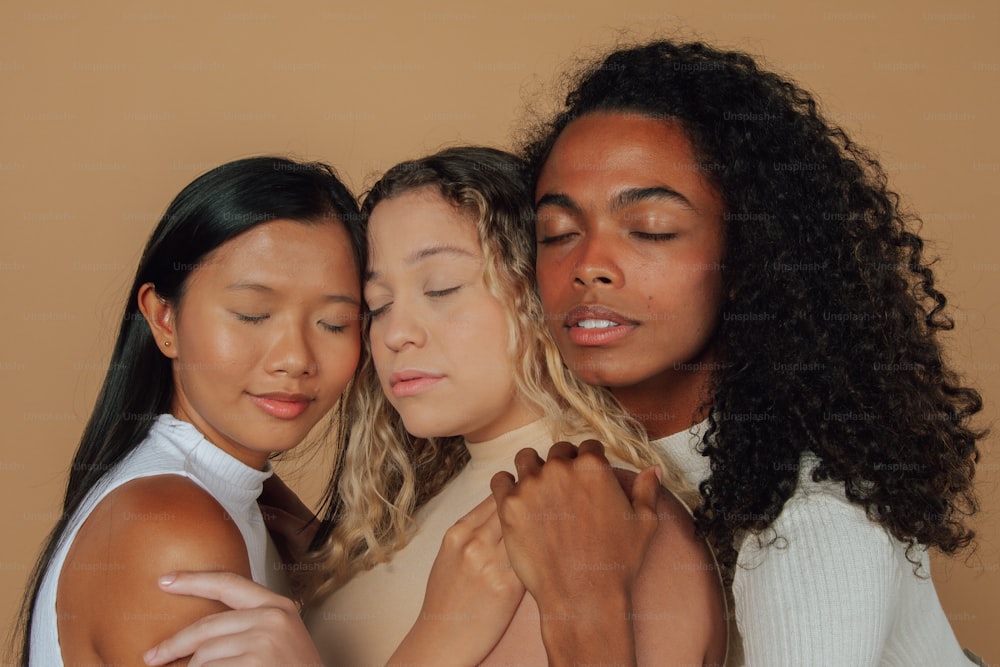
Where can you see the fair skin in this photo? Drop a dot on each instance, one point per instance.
(262, 343)
(665, 617)
(436, 331)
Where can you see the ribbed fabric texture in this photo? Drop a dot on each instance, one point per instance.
(173, 447)
(834, 589)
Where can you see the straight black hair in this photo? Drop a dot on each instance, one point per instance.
(216, 207)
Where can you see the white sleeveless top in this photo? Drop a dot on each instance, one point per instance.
(173, 447)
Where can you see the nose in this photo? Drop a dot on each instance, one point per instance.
(595, 265)
(400, 326)
(292, 352)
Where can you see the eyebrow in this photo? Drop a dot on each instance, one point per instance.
(247, 286)
(421, 254)
(632, 196)
(559, 200)
(623, 199)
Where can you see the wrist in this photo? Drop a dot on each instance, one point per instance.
(596, 628)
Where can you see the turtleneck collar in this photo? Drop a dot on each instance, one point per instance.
(219, 469)
(503, 448)
(680, 449)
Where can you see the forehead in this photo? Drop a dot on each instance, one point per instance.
(405, 224)
(609, 141)
(602, 153)
(282, 248)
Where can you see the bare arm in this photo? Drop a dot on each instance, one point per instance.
(110, 608)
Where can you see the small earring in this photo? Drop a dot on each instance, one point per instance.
(166, 343)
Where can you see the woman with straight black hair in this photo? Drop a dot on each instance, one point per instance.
(240, 333)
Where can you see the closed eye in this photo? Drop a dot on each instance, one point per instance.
(654, 237)
(252, 319)
(555, 238)
(443, 292)
(334, 328)
(375, 312)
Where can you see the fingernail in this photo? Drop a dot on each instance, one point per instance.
(149, 655)
(658, 471)
(167, 579)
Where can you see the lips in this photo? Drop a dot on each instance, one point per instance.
(411, 381)
(593, 316)
(595, 325)
(281, 404)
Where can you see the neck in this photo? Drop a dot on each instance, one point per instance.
(668, 403)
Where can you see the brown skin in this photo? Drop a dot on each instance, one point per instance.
(607, 604)
(627, 221)
(110, 607)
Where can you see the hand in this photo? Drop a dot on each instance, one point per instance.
(472, 594)
(574, 505)
(264, 628)
(292, 525)
(577, 541)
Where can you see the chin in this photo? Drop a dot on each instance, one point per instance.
(421, 429)
(604, 374)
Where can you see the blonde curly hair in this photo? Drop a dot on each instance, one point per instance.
(385, 474)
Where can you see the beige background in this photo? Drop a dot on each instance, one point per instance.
(108, 109)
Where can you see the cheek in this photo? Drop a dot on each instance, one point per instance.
(342, 358)
(554, 301)
(207, 346)
(549, 276)
(481, 338)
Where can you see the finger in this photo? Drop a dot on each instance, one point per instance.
(501, 485)
(595, 447)
(480, 514)
(230, 589)
(202, 636)
(645, 492)
(527, 462)
(491, 531)
(562, 450)
(226, 651)
(626, 478)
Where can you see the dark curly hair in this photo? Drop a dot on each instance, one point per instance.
(829, 330)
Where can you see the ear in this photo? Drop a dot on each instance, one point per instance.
(159, 314)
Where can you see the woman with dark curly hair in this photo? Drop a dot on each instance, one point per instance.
(737, 271)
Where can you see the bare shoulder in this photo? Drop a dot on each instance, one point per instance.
(109, 605)
(678, 602)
